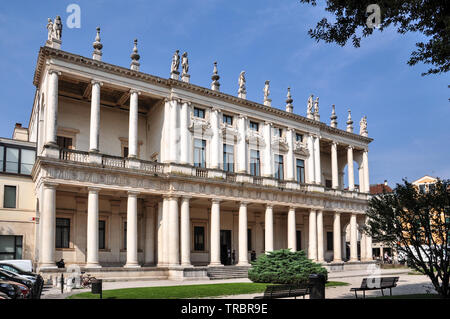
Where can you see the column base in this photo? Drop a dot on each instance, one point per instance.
(187, 265)
(243, 263)
(353, 260)
(215, 264)
(132, 265)
(337, 261)
(93, 265)
(48, 266)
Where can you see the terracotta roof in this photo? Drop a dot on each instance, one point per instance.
(379, 189)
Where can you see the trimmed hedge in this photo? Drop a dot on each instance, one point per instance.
(284, 267)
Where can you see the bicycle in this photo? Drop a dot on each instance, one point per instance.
(86, 280)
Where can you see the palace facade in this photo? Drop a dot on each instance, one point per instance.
(137, 170)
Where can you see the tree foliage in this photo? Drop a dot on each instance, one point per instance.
(417, 224)
(284, 267)
(429, 17)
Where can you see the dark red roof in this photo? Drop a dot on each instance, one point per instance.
(380, 189)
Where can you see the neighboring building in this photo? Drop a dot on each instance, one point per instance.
(424, 183)
(134, 169)
(17, 198)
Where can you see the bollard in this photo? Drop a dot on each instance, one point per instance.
(316, 284)
(97, 288)
(62, 283)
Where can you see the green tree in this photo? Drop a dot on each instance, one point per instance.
(429, 17)
(284, 267)
(417, 224)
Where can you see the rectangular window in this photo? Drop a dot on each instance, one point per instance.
(125, 151)
(10, 247)
(9, 197)
(278, 132)
(228, 158)
(199, 153)
(62, 232)
(300, 171)
(255, 163)
(101, 234)
(227, 119)
(254, 126)
(199, 112)
(298, 137)
(279, 167)
(199, 238)
(26, 161)
(298, 237)
(329, 240)
(249, 239)
(12, 160)
(64, 142)
(328, 183)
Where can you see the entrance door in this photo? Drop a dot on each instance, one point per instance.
(225, 247)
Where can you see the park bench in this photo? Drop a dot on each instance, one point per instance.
(376, 283)
(284, 291)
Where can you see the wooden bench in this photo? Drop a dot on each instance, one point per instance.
(284, 291)
(376, 283)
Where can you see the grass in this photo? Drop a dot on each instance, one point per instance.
(185, 291)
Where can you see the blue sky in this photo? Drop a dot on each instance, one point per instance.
(408, 115)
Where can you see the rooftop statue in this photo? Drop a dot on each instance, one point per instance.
(266, 91)
(50, 29)
(57, 28)
(185, 63)
(309, 110)
(242, 82)
(175, 62)
(363, 126)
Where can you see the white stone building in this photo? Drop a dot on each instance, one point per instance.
(137, 170)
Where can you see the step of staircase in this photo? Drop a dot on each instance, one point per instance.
(228, 272)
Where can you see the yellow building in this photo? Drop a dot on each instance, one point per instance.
(17, 197)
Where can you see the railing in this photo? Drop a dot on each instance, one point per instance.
(113, 161)
(201, 172)
(73, 155)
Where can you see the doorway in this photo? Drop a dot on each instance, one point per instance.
(225, 247)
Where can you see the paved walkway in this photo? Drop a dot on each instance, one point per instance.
(408, 284)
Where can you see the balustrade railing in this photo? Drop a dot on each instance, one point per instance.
(73, 155)
(113, 161)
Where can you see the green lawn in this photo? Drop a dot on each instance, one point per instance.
(185, 291)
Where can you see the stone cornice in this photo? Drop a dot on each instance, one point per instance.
(47, 52)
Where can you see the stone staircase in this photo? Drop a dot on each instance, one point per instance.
(228, 272)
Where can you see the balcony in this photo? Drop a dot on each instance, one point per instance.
(181, 170)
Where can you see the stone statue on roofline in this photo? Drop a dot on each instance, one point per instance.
(57, 28)
(266, 90)
(309, 110)
(185, 63)
(363, 126)
(175, 62)
(316, 109)
(242, 93)
(50, 29)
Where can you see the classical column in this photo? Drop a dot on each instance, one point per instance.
(48, 221)
(267, 161)
(116, 227)
(351, 176)
(185, 232)
(334, 166)
(310, 161)
(173, 232)
(185, 134)
(337, 238)
(353, 238)
(291, 231)
(132, 236)
(174, 131)
(92, 229)
(165, 231)
(317, 165)
(269, 228)
(290, 160)
(95, 117)
(133, 125)
(243, 241)
(362, 246)
(149, 252)
(320, 251)
(52, 107)
(215, 139)
(242, 145)
(215, 233)
(160, 234)
(366, 171)
(312, 244)
(369, 255)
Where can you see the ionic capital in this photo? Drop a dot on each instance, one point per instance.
(93, 82)
(94, 189)
(133, 194)
(133, 91)
(53, 71)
